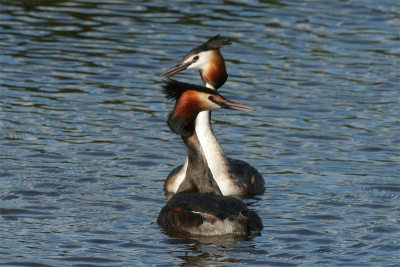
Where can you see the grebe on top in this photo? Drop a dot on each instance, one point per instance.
(234, 177)
(199, 206)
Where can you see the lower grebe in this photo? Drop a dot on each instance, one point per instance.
(199, 206)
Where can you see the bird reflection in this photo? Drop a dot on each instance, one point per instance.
(201, 250)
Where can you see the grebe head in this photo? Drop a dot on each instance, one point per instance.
(207, 59)
(190, 101)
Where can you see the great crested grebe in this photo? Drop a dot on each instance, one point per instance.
(234, 177)
(199, 206)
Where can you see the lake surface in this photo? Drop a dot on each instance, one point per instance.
(85, 149)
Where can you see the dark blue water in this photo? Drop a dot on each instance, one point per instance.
(84, 147)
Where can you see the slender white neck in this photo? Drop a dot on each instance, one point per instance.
(212, 149)
(216, 159)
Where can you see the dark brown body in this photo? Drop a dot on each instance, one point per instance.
(198, 213)
(244, 176)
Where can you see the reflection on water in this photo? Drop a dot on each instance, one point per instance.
(85, 149)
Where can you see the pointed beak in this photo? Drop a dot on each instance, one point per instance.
(232, 105)
(177, 68)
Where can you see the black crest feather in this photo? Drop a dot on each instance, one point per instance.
(214, 43)
(174, 89)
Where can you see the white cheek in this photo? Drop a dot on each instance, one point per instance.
(214, 106)
(204, 59)
(199, 65)
(192, 66)
(208, 104)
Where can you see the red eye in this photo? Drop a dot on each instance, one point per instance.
(196, 58)
(210, 98)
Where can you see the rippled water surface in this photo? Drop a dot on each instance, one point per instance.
(84, 147)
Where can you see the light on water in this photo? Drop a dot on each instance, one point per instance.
(85, 149)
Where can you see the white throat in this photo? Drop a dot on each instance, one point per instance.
(213, 151)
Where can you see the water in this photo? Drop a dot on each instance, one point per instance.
(85, 149)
